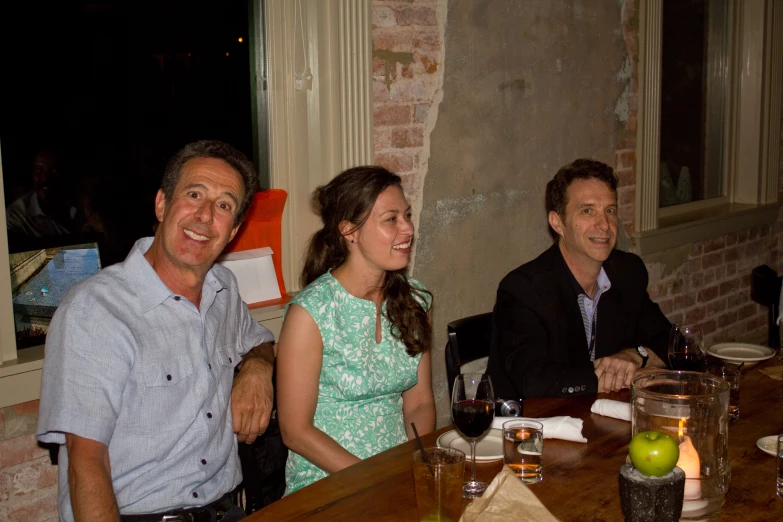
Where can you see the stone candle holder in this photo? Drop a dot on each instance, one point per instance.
(651, 499)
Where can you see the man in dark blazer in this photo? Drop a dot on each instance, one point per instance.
(577, 319)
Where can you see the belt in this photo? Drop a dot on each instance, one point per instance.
(209, 513)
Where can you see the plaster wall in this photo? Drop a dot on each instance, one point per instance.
(527, 88)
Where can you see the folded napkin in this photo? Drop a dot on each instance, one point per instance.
(507, 498)
(774, 372)
(564, 428)
(609, 408)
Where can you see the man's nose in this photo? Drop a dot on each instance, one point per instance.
(206, 211)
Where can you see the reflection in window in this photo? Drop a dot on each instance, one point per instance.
(694, 83)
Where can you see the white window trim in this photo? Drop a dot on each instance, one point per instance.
(754, 118)
(314, 134)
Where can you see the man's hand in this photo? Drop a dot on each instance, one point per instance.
(252, 393)
(616, 371)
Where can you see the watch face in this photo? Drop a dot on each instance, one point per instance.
(642, 351)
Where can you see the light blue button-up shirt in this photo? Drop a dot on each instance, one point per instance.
(144, 371)
(588, 306)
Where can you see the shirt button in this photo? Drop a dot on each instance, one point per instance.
(230, 360)
(210, 366)
(209, 415)
(203, 461)
(195, 495)
(177, 298)
(168, 377)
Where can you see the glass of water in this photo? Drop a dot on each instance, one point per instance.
(779, 485)
(523, 448)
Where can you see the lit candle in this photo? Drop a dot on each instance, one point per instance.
(690, 464)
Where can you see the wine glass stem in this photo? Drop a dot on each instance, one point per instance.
(473, 460)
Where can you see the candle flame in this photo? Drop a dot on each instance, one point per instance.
(680, 430)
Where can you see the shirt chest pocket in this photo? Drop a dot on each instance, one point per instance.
(228, 357)
(168, 373)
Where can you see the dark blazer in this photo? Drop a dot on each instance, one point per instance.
(539, 348)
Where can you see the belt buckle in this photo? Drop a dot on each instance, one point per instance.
(184, 517)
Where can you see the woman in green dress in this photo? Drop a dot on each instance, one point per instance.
(353, 360)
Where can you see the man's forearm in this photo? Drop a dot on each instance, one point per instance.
(263, 354)
(89, 482)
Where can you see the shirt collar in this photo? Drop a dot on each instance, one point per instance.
(602, 284)
(153, 290)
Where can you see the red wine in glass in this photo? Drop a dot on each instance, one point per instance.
(473, 417)
(687, 362)
(472, 409)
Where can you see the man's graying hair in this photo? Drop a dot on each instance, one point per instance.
(217, 150)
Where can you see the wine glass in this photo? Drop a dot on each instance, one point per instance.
(686, 348)
(472, 409)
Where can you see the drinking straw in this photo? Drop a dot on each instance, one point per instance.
(421, 448)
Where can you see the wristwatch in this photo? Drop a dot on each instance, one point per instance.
(642, 351)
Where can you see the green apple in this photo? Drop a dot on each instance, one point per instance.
(654, 453)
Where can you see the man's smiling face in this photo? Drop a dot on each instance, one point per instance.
(588, 230)
(199, 220)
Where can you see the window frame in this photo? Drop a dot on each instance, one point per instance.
(313, 135)
(751, 170)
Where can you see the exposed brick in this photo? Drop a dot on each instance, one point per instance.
(715, 307)
(380, 92)
(33, 476)
(695, 315)
(667, 306)
(382, 139)
(731, 254)
(19, 420)
(731, 239)
(684, 301)
(728, 287)
(396, 40)
(421, 111)
(383, 17)
(727, 319)
(407, 71)
(406, 137)
(696, 249)
(746, 311)
(38, 509)
(5, 487)
(626, 195)
(626, 159)
(737, 299)
(409, 90)
(430, 64)
(708, 294)
(709, 326)
(731, 269)
(677, 286)
(713, 245)
(19, 449)
(742, 236)
(416, 16)
(697, 280)
(711, 260)
(378, 67)
(423, 41)
(676, 318)
(756, 323)
(400, 162)
(625, 177)
(392, 115)
(720, 272)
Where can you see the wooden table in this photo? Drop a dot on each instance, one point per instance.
(580, 480)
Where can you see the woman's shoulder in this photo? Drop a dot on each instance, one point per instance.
(320, 290)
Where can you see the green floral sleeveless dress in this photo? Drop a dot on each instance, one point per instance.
(361, 382)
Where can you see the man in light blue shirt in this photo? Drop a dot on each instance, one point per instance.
(140, 360)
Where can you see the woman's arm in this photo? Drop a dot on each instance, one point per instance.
(418, 403)
(299, 360)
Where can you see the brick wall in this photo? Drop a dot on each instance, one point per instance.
(407, 78)
(28, 481)
(710, 284)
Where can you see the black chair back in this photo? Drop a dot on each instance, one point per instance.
(469, 340)
(765, 290)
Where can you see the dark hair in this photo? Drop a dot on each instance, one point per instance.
(217, 150)
(351, 197)
(583, 168)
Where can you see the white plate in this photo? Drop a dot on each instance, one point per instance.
(489, 447)
(741, 352)
(768, 444)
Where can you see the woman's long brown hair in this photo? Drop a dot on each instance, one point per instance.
(350, 197)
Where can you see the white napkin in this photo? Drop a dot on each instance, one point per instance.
(564, 428)
(609, 408)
